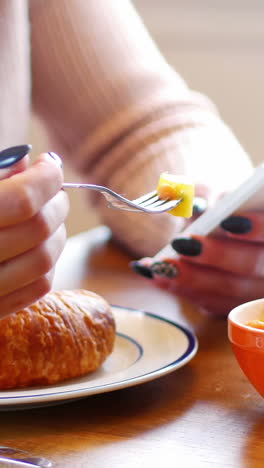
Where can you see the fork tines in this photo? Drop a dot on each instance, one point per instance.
(147, 199)
(153, 200)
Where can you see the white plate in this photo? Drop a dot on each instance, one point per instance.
(147, 347)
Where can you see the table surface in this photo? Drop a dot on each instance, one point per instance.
(205, 414)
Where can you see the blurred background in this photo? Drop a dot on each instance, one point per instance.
(218, 48)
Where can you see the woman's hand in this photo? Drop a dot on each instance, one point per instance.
(217, 272)
(32, 233)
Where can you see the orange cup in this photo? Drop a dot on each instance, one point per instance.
(248, 342)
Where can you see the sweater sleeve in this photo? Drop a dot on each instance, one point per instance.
(121, 115)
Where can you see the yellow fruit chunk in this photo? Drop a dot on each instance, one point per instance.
(173, 187)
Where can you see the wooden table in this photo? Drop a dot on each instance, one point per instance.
(206, 414)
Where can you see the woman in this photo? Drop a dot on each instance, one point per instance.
(120, 116)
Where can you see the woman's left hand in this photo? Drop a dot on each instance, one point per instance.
(220, 271)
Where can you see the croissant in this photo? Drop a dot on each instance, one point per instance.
(66, 334)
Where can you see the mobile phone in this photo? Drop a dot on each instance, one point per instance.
(247, 196)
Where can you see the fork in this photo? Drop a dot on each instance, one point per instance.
(23, 457)
(149, 203)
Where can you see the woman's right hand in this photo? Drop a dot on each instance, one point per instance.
(33, 209)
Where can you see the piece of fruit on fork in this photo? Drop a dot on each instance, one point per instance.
(173, 187)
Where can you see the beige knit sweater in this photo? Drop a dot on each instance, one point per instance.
(112, 106)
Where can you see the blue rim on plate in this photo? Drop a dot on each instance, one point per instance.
(29, 399)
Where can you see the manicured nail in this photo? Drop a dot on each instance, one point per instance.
(12, 155)
(141, 269)
(165, 269)
(56, 158)
(199, 205)
(187, 246)
(237, 225)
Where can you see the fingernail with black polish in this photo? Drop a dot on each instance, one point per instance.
(199, 205)
(141, 269)
(187, 246)
(237, 225)
(165, 269)
(12, 155)
(56, 158)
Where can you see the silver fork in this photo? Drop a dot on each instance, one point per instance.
(149, 203)
(23, 457)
